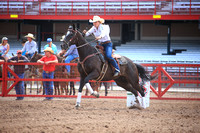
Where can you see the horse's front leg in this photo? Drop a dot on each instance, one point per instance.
(85, 81)
(78, 100)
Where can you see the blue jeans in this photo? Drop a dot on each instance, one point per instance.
(19, 87)
(68, 59)
(108, 50)
(48, 85)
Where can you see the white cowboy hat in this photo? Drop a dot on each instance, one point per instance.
(97, 18)
(62, 38)
(30, 35)
(49, 50)
(4, 38)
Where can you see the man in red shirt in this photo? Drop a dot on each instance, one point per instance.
(48, 70)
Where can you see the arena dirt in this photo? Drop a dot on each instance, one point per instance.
(97, 115)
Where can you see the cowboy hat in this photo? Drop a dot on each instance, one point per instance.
(30, 35)
(49, 50)
(62, 38)
(4, 38)
(97, 18)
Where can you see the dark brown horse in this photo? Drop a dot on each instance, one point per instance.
(90, 67)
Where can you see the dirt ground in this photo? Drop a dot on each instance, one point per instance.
(97, 115)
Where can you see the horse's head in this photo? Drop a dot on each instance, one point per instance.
(36, 57)
(70, 38)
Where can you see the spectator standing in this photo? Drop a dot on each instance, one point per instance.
(30, 46)
(51, 45)
(48, 70)
(4, 48)
(19, 70)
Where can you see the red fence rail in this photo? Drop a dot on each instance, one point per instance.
(175, 81)
(109, 9)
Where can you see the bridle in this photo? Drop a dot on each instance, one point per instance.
(77, 41)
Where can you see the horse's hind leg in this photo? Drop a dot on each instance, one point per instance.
(122, 82)
(137, 86)
(127, 86)
(133, 78)
(73, 89)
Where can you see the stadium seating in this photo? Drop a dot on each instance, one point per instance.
(145, 51)
(100, 8)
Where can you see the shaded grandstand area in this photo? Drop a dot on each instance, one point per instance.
(145, 51)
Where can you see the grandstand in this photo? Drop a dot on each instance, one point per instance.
(56, 7)
(145, 51)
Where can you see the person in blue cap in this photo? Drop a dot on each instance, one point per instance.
(51, 45)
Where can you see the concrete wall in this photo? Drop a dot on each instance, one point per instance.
(179, 31)
(8, 29)
(148, 31)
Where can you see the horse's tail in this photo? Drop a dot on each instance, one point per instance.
(144, 74)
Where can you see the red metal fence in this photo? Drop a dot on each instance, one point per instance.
(175, 81)
(108, 9)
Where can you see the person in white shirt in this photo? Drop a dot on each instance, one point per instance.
(30, 46)
(101, 33)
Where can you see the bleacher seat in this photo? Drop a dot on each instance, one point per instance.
(144, 52)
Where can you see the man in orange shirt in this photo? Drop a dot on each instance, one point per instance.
(48, 70)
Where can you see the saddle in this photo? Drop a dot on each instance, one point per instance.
(121, 60)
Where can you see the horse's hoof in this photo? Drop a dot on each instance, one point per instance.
(77, 105)
(95, 94)
(136, 106)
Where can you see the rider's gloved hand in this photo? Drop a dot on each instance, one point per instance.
(84, 31)
(97, 38)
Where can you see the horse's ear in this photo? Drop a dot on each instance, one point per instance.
(35, 54)
(74, 27)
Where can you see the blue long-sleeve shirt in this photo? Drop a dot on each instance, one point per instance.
(53, 46)
(30, 47)
(72, 51)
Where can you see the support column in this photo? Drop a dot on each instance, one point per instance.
(18, 30)
(39, 37)
(169, 39)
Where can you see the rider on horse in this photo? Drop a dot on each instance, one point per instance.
(101, 33)
(71, 54)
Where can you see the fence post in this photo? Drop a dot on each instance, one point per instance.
(4, 81)
(159, 82)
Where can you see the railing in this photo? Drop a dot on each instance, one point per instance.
(101, 7)
(174, 81)
(43, 34)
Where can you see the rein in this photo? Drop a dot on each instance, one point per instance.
(85, 44)
(77, 41)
